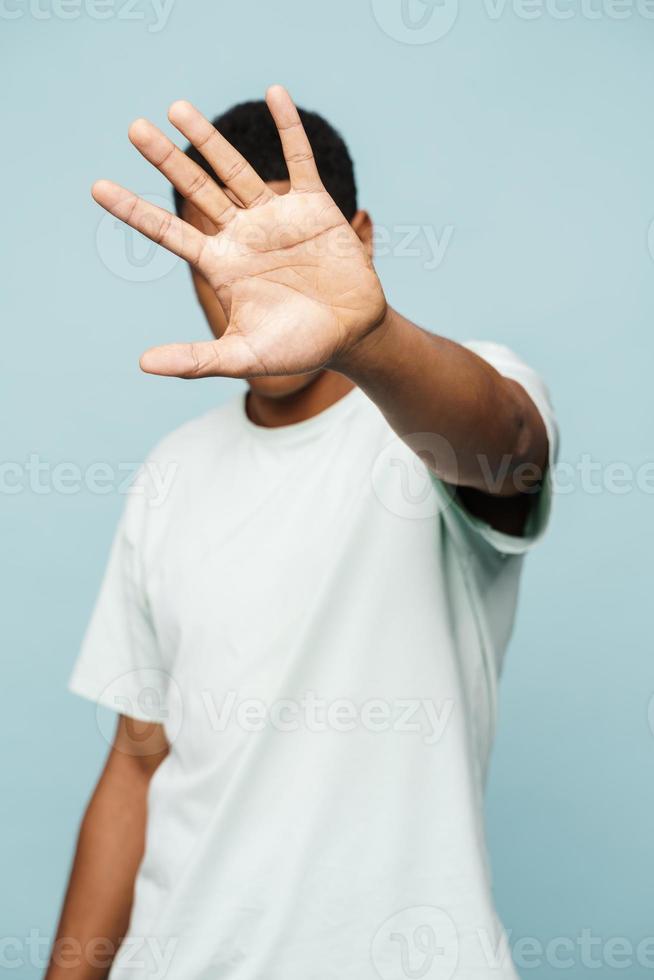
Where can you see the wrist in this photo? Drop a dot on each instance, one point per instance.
(356, 362)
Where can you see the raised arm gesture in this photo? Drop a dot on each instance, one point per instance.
(300, 293)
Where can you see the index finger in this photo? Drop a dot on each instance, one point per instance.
(298, 154)
(155, 223)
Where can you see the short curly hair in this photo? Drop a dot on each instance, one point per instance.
(249, 127)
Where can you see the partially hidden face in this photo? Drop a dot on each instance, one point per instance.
(271, 387)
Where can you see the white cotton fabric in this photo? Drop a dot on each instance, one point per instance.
(320, 629)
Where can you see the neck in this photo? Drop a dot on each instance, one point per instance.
(271, 411)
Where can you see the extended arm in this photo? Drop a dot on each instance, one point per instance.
(300, 293)
(491, 437)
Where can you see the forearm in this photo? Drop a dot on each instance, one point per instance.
(98, 901)
(486, 426)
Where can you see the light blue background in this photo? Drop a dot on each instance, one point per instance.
(533, 140)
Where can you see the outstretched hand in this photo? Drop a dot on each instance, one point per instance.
(298, 289)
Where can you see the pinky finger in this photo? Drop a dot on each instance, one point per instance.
(155, 223)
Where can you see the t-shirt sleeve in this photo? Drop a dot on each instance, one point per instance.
(120, 664)
(455, 513)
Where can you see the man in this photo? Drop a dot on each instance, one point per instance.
(303, 647)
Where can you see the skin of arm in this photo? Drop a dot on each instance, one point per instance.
(110, 844)
(424, 383)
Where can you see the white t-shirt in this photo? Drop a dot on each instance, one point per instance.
(320, 629)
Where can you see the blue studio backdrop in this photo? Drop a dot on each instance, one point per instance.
(506, 152)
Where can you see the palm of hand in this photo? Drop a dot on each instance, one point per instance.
(295, 282)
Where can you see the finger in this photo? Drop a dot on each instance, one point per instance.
(232, 168)
(192, 182)
(161, 226)
(229, 357)
(298, 154)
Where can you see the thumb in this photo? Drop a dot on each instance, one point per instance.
(229, 357)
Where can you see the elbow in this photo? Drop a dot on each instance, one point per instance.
(530, 444)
